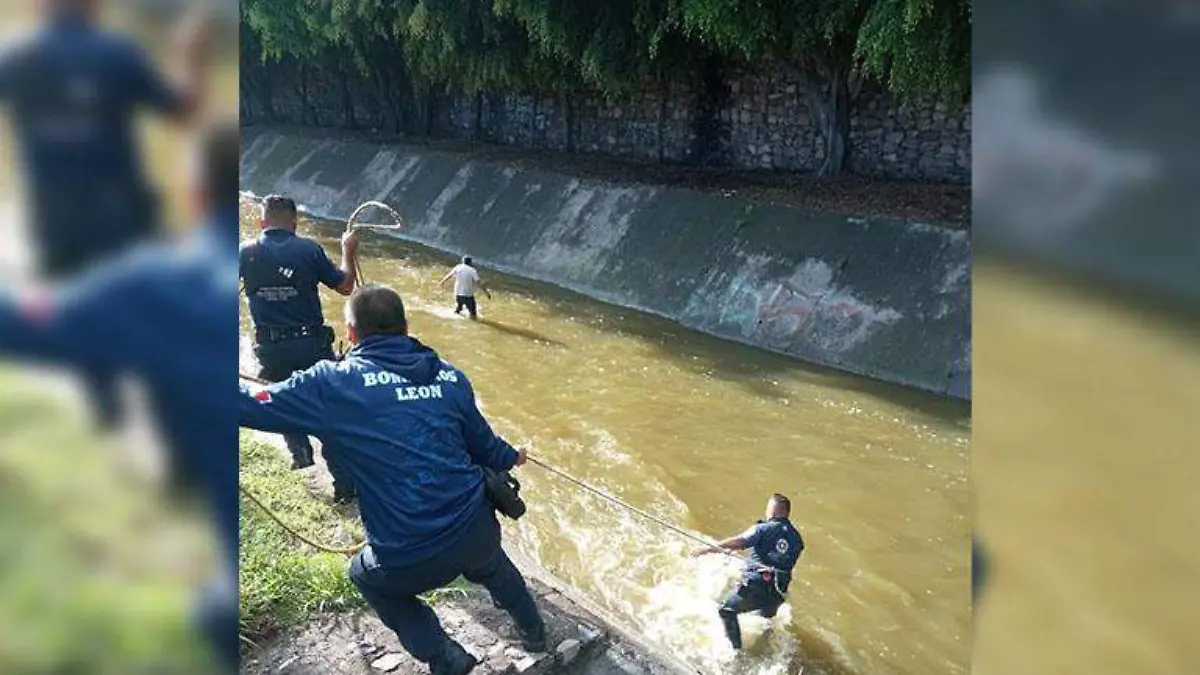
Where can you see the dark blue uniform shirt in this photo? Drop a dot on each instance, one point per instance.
(776, 544)
(280, 272)
(409, 432)
(73, 91)
(167, 316)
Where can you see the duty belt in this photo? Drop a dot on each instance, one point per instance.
(269, 334)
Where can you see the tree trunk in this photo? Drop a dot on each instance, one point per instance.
(477, 134)
(570, 114)
(533, 123)
(832, 96)
(347, 98)
(305, 109)
(664, 89)
(430, 110)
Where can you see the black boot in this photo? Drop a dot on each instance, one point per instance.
(534, 642)
(344, 495)
(732, 630)
(454, 660)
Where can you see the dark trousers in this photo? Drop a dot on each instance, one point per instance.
(72, 235)
(277, 361)
(467, 301)
(392, 591)
(750, 596)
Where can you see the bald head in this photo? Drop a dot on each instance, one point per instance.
(86, 8)
(216, 165)
(374, 309)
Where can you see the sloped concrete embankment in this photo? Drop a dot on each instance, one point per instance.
(888, 300)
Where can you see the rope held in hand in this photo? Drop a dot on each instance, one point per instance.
(351, 224)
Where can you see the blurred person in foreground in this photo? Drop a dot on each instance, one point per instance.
(775, 547)
(166, 315)
(73, 91)
(281, 273)
(416, 444)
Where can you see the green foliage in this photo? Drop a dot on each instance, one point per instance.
(919, 46)
(916, 47)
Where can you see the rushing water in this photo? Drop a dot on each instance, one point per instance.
(700, 432)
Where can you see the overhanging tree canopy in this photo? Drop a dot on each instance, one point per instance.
(914, 47)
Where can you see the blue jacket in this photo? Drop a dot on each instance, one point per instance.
(168, 316)
(414, 440)
(776, 544)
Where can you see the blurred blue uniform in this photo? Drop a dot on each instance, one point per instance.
(72, 91)
(280, 272)
(414, 443)
(168, 316)
(775, 546)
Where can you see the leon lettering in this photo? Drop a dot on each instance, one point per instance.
(419, 393)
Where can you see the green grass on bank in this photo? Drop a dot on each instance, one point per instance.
(284, 582)
(91, 558)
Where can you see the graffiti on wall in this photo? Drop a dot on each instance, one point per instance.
(806, 306)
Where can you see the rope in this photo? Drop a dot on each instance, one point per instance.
(347, 551)
(629, 507)
(352, 225)
(533, 460)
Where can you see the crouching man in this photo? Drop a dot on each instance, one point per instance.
(415, 444)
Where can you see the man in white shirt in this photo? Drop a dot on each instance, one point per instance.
(466, 279)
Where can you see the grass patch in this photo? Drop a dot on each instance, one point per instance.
(284, 582)
(90, 559)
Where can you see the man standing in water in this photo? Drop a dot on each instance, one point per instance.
(281, 272)
(73, 92)
(775, 546)
(466, 278)
(416, 444)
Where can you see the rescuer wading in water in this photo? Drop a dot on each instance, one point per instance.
(775, 545)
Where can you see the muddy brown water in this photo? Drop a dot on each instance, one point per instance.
(700, 432)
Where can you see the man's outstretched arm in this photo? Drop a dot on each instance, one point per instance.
(294, 406)
(742, 541)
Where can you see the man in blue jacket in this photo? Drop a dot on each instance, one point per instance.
(73, 92)
(414, 443)
(166, 315)
(775, 546)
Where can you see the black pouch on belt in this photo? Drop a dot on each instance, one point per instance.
(503, 492)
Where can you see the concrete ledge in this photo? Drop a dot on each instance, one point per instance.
(884, 299)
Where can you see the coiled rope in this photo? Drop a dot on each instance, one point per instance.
(352, 224)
